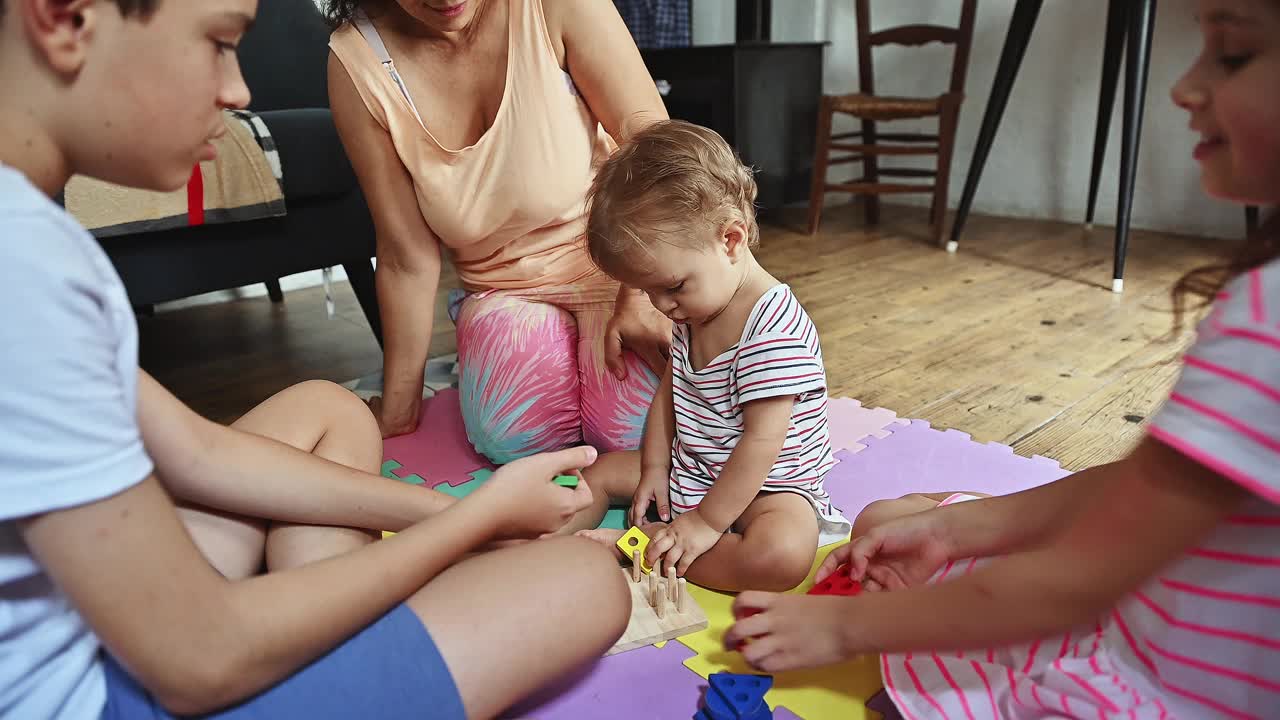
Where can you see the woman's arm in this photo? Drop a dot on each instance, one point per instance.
(220, 467)
(199, 642)
(605, 64)
(408, 253)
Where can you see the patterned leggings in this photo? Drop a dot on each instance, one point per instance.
(532, 376)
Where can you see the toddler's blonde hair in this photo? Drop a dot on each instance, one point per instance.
(673, 182)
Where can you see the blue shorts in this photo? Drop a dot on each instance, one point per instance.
(389, 670)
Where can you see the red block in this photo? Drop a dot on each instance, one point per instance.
(838, 583)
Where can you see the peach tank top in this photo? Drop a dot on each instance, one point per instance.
(510, 209)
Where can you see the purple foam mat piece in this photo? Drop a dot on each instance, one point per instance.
(881, 703)
(915, 458)
(438, 450)
(850, 423)
(648, 683)
(781, 713)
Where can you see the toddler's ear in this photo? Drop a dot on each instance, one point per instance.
(735, 237)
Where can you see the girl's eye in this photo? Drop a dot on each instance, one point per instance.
(677, 287)
(1234, 62)
(224, 47)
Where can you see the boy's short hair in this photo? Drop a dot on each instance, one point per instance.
(127, 7)
(673, 180)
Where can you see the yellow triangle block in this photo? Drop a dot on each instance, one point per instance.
(632, 540)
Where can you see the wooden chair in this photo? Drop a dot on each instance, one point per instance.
(868, 145)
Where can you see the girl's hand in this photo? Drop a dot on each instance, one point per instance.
(393, 423)
(683, 541)
(654, 487)
(526, 500)
(899, 553)
(638, 327)
(787, 632)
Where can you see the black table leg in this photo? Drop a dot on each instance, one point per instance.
(1117, 14)
(1137, 60)
(1015, 46)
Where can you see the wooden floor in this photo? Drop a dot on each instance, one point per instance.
(1015, 339)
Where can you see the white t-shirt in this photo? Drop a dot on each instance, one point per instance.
(68, 436)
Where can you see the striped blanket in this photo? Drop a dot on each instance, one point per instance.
(243, 183)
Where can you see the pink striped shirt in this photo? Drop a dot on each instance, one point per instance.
(1201, 639)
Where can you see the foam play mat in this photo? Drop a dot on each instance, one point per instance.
(879, 456)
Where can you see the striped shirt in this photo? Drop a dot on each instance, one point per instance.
(1201, 639)
(778, 354)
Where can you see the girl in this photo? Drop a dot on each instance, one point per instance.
(113, 603)
(737, 437)
(1147, 588)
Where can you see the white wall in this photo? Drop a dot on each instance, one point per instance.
(1039, 164)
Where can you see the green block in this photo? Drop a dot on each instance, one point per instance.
(569, 481)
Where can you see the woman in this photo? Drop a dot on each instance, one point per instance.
(476, 126)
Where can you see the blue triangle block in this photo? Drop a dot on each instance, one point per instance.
(734, 696)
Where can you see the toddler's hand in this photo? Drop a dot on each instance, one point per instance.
(653, 488)
(682, 542)
(786, 632)
(523, 494)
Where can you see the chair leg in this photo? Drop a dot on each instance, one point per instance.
(948, 123)
(871, 173)
(1112, 51)
(821, 154)
(1015, 46)
(360, 274)
(273, 290)
(1137, 60)
(1251, 219)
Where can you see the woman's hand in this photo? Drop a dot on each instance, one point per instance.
(393, 423)
(636, 326)
(523, 495)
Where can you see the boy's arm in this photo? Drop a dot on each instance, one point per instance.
(765, 425)
(199, 642)
(208, 464)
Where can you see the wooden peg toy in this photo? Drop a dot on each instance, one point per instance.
(635, 566)
(672, 586)
(681, 592)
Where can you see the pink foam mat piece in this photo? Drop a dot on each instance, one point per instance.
(850, 423)
(915, 458)
(649, 683)
(438, 450)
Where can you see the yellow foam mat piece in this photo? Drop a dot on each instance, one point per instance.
(836, 691)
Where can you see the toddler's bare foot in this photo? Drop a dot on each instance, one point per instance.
(605, 536)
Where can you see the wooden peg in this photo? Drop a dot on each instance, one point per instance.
(681, 592)
(653, 584)
(660, 602)
(672, 587)
(635, 566)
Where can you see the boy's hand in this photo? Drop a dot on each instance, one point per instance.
(653, 488)
(527, 502)
(786, 632)
(682, 542)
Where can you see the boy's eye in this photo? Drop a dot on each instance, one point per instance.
(224, 46)
(1234, 62)
(676, 287)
